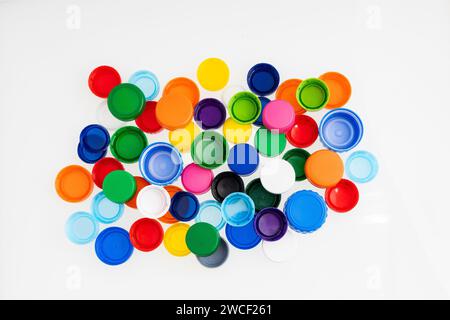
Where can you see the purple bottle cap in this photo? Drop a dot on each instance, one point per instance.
(270, 224)
(210, 113)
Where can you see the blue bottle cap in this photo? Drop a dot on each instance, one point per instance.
(341, 130)
(264, 102)
(147, 82)
(106, 211)
(184, 206)
(88, 156)
(81, 228)
(238, 209)
(263, 79)
(94, 138)
(243, 159)
(306, 211)
(211, 212)
(160, 163)
(217, 258)
(361, 166)
(113, 246)
(243, 237)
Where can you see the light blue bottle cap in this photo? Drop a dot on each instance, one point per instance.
(81, 228)
(361, 166)
(306, 211)
(113, 246)
(106, 211)
(160, 163)
(147, 82)
(238, 209)
(211, 212)
(341, 130)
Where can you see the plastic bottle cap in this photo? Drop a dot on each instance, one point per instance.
(282, 250)
(141, 183)
(74, 183)
(268, 143)
(168, 217)
(196, 179)
(210, 113)
(119, 186)
(270, 224)
(235, 132)
(343, 197)
(361, 166)
(211, 212)
(106, 211)
(202, 239)
(160, 163)
(184, 206)
(261, 197)
(238, 209)
(153, 201)
(264, 101)
(340, 89)
(229, 92)
(113, 246)
(209, 150)
(306, 211)
(304, 132)
(88, 156)
(102, 168)
(81, 228)
(213, 74)
(243, 159)
(102, 80)
(182, 138)
(127, 144)
(146, 234)
(244, 107)
(126, 102)
(287, 91)
(341, 130)
(94, 138)
(217, 258)
(166, 115)
(106, 119)
(279, 115)
(185, 87)
(147, 121)
(297, 158)
(226, 183)
(147, 82)
(312, 94)
(263, 79)
(277, 176)
(324, 168)
(244, 237)
(175, 240)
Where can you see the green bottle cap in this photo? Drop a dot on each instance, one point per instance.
(126, 102)
(209, 150)
(261, 197)
(313, 94)
(119, 186)
(127, 144)
(297, 158)
(268, 143)
(244, 107)
(202, 239)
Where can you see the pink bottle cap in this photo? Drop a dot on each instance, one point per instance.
(278, 115)
(196, 179)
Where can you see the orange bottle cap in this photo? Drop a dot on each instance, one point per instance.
(168, 218)
(74, 183)
(141, 183)
(287, 91)
(185, 87)
(324, 168)
(174, 111)
(340, 89)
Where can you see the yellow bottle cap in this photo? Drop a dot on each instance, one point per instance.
(235, 132)
(175, 239)
(182, 138)
(213, 74)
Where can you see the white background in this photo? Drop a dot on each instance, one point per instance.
(396, 54)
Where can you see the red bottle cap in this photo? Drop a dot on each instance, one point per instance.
(147, 120)
(343, 197)
(102, 168)
(146, 234)
(304, 132)
(102, 80)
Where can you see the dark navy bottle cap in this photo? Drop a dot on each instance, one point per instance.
(264, 102)
(263, 79)
(88, 156)
(243, 159)
(270, 224)
(184, 206)
(217, 258)
(243, 237)
(226, 183)
(113, 246)
(306, 211)
(94, 138)
(210, 113)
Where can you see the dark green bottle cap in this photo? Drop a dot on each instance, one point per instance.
(202, 239)
(209, 150)
(126, 102)
(127, 144)
(261, 197)
(268, 143)
(297, 158)
(119, 186)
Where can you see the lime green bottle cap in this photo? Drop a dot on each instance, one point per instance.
(297, 158)
(209, 150)
(244, 107)
(268, 143)
(126, 101)
(119, 186)
(202, 239)
(127, 144)
(313, 94)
